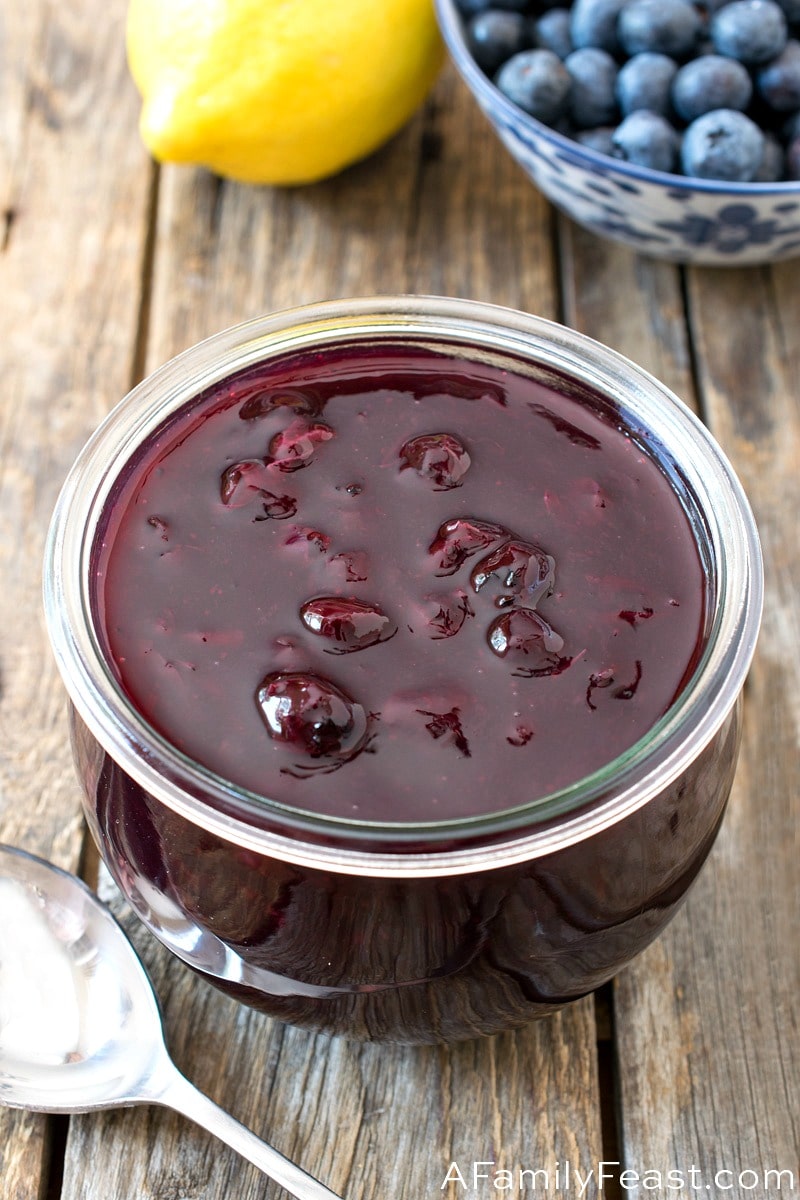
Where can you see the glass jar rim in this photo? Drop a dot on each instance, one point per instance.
(458, 845)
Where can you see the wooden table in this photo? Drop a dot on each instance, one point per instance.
(691, 1060)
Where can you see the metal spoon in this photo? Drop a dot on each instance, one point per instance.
(80, 1027)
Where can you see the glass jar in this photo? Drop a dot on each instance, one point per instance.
(432, 931)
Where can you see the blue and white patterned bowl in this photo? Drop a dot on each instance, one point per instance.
(668, 216)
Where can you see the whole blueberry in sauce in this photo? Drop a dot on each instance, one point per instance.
(310, 714)
(347, 623)
(439, 457)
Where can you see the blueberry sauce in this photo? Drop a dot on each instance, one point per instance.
(394, 584)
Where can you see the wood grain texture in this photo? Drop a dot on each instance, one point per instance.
(726, 1013)
(70, 286)
(632, 304)
(24, 1154)
(706, 1021)
(747, 982)
(73, 195)
(21, 28)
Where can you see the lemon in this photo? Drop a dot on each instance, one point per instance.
(278, 91)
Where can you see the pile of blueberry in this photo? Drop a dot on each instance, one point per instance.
(707, 88)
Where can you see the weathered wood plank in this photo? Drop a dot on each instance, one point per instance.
(70, 295)
(706, 1020)
(20, 30)
(73, 193)
(24, 1146)
(441, 209)
(631, 303)
(729, 1005)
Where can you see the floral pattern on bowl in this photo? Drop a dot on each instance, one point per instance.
(667, 216)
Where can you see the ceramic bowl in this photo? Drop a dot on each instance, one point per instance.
(667, 216)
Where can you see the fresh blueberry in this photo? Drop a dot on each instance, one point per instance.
(580, 67)
(773, 161)
(592, 98)
(594, 23)
(600, 139)
(644, 81)
(778, 82)
(708, 83)
(723, 144)
(647, 140)
(538, 82)
(663, 26)
(552, 31)
(754, 31)
(494, 36)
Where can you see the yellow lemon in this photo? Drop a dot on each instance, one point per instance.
(278, 91)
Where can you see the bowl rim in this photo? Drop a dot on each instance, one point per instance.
(451, 27)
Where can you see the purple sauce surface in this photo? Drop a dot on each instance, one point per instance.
(394, 585)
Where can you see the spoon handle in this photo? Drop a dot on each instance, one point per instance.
(179, 1094)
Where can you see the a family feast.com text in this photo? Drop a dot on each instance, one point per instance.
(564, 1179)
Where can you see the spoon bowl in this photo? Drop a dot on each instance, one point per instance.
(80, 1026)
